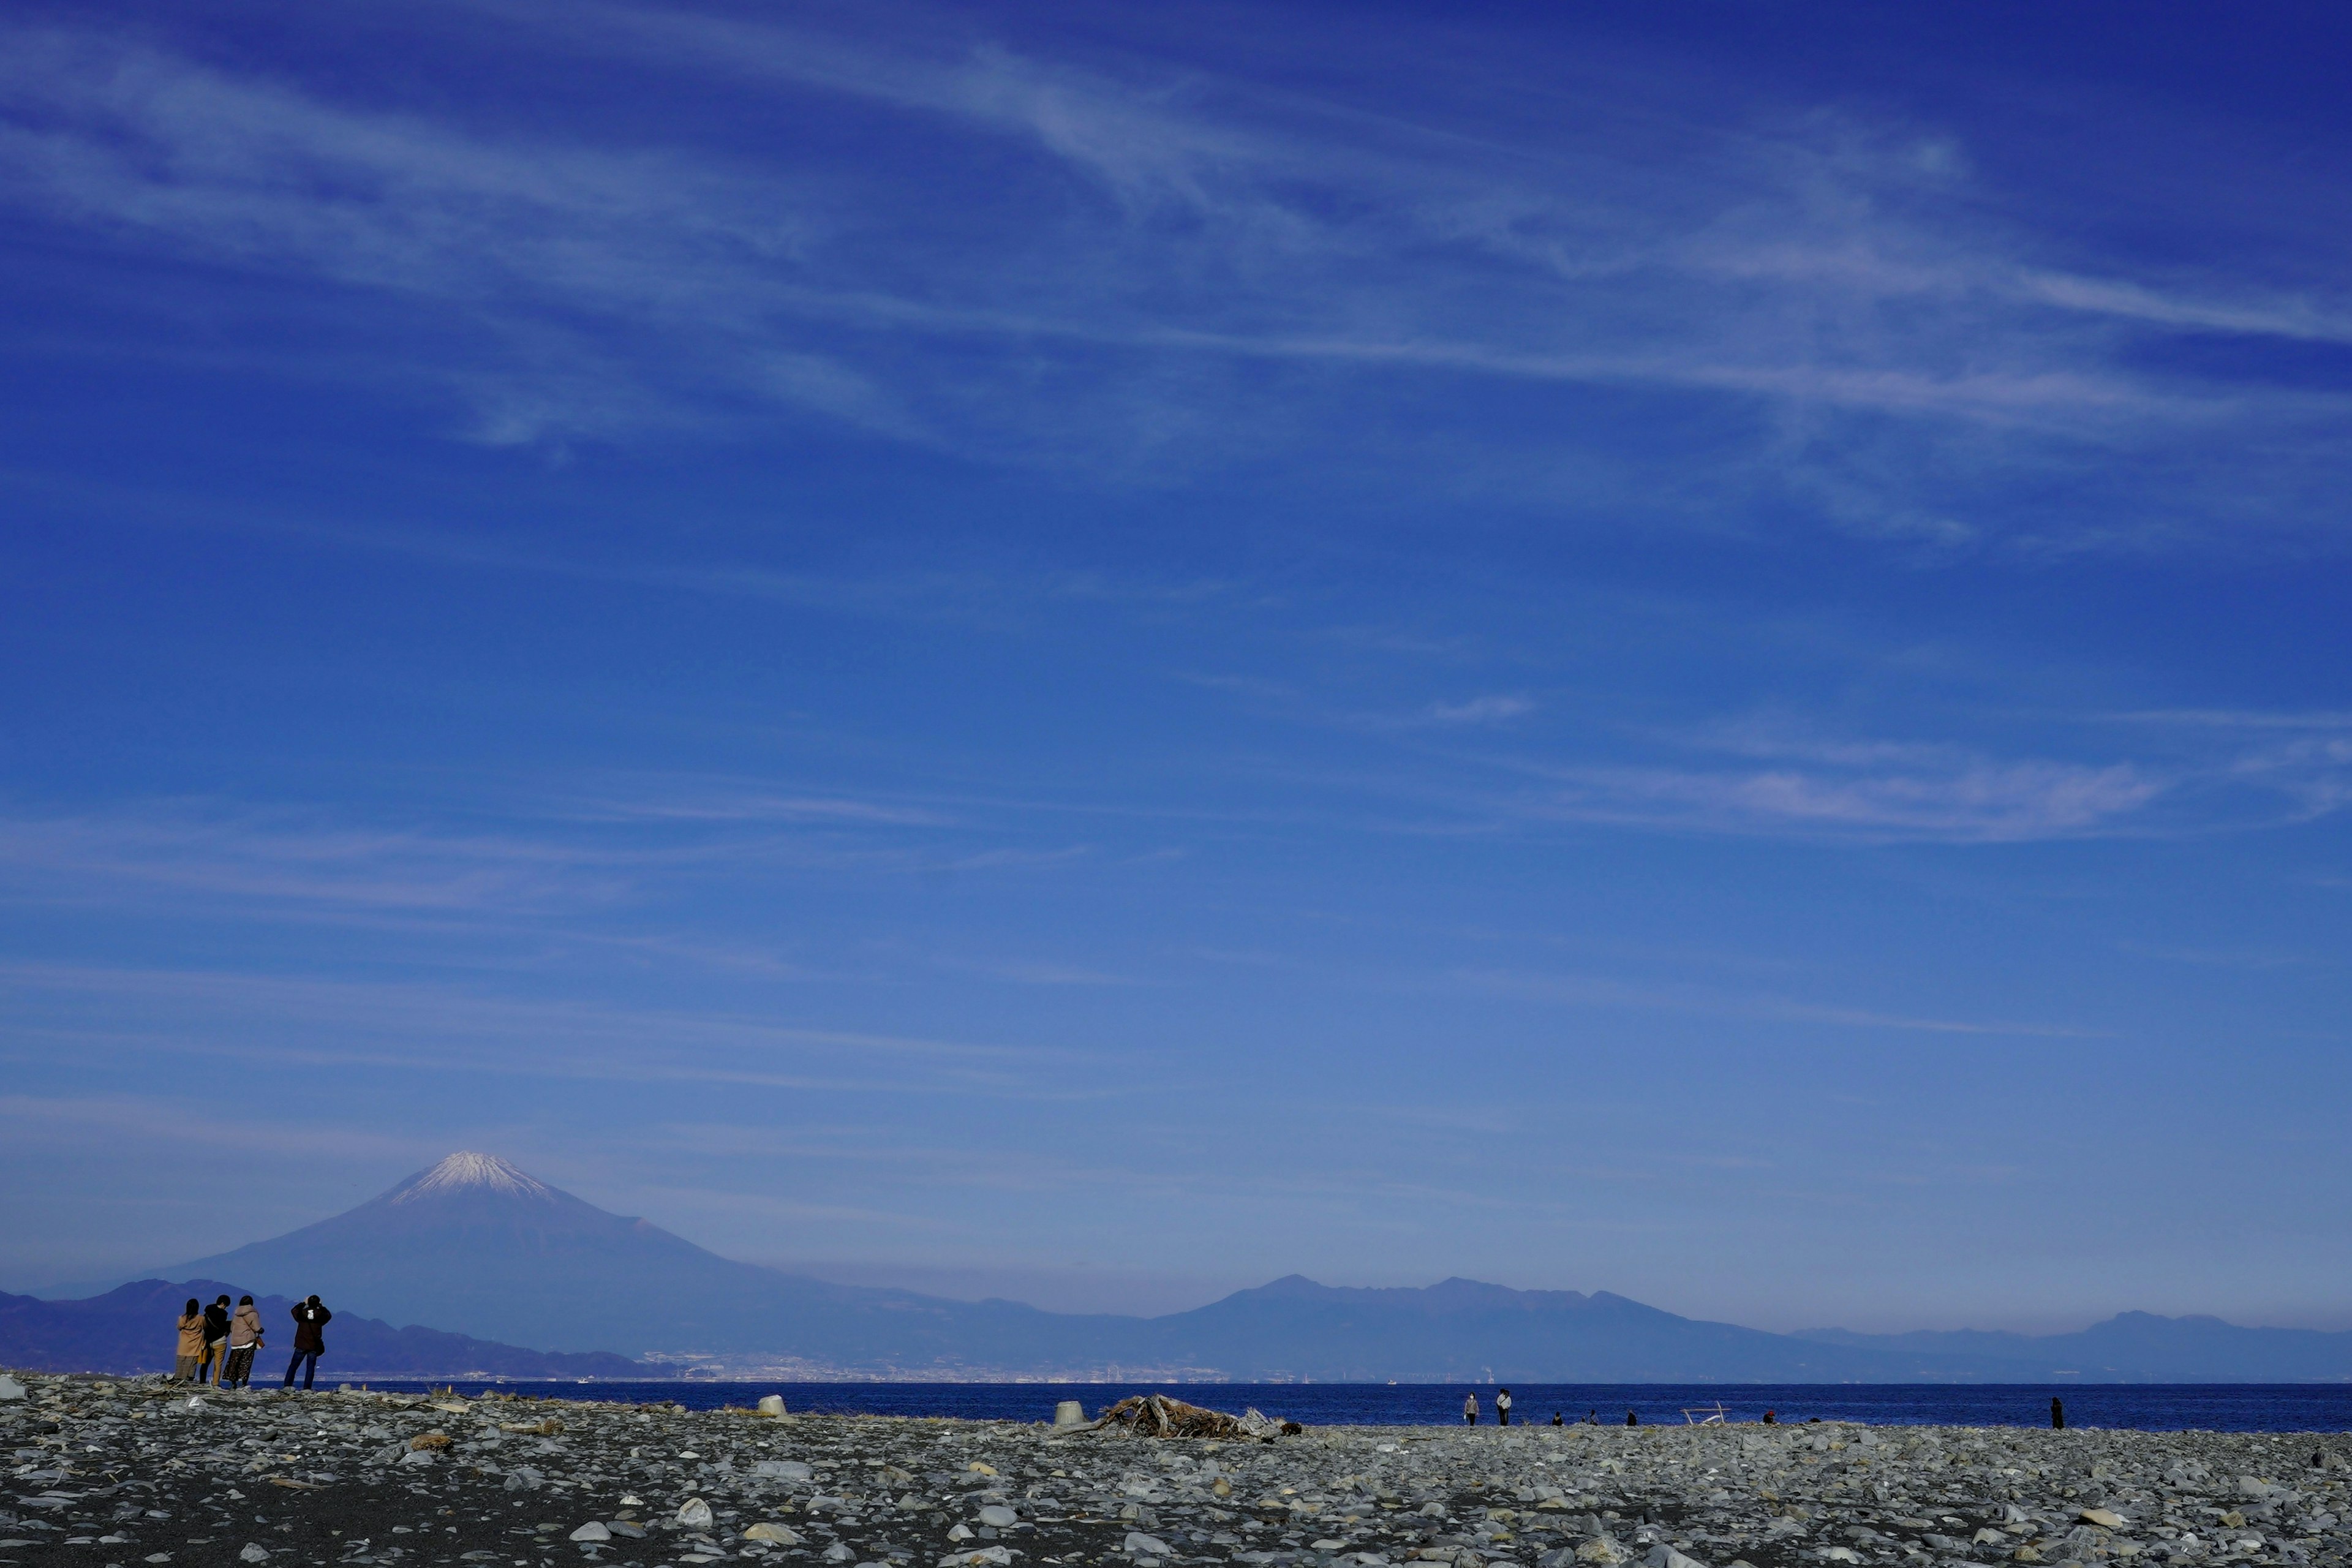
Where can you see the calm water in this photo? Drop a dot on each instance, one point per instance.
(2214, 1408)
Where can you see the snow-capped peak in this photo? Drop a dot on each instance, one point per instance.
(463, 1171)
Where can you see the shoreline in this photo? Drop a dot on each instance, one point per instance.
(120, 1471)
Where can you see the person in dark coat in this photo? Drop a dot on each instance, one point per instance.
(216, 1340)
(1631, 1420)
(311, 1319)
(2057, 1416)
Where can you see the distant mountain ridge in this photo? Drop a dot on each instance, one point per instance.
(2134, 1347)
(479, 1246)
(133, 1328)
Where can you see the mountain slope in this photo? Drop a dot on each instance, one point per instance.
(1464, 1331)
(133, 1328)
(2130, 1347)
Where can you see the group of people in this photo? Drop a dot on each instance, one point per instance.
(1503, 1412)
(217, 1342)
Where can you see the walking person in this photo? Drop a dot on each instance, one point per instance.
(244, 1339)
(216, 1340)
(192, 1343)
(311, 1319)
(1469, 1410)
(1503, 1407)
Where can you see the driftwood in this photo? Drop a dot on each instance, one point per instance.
(1157, 1415)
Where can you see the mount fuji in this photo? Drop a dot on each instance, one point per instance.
(478, 1242)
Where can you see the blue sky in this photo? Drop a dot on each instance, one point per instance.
(1099, 656)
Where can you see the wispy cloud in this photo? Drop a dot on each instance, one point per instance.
(1157, 247)
(423, 1028)
(1979, 803)
(1599, 990)
(291, 856)
(1478, 710)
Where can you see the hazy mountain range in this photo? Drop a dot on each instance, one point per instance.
(478, 1247)
(132, 1328)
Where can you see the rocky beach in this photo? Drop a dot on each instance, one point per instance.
(123, 1471)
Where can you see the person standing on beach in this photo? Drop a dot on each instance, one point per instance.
(192, 1343)
(2057, 1416)
(216, 1340)
(1556, 1420)
(311, 1319)
(1503, 1407)
(1631, 1420)
(1470, 1410)
(244, 1339)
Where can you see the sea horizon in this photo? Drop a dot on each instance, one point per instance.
(2214, 1408)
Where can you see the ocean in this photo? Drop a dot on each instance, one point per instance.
(2156, 1407)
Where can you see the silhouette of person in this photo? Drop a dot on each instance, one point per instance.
(1631, 1420)
(2057, 1416)
(1503, 1407)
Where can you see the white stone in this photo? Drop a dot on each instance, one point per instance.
(984, 1557)
(591, 1530)
(960, 1533)
(253, 1552)
(10, 1389)
(771, 1405)
(694, 1513)
(1664, 1556)
(774, 1534)
(1138, 1544)
(996, 1516)
(1068, 1413)
(782, 1469)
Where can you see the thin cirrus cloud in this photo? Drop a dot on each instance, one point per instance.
(1771, 265)
(438, 1029)
(1604, 991)
(1985, 803)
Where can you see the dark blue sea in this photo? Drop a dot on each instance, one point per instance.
(2157, 1407)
